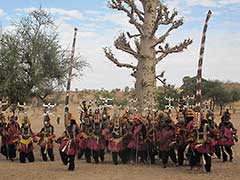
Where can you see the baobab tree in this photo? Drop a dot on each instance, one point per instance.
(146, 16)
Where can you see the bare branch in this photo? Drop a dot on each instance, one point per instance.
(133, 74)
(132, 36)
(169, 50)
(168, 19)
(111, 57)
(163, 17)
(158, 18)
(163, 81)
(133, 6)
(118, 4)
(175, 25)
(161, 75)
(122, 44)
(137, 44)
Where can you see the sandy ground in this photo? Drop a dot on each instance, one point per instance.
(57, 171)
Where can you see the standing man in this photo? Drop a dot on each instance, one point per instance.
(3, 133)
(181, 137)
(116, 140)
(47, 137)
(27, 138)
(167, 141)
(13, 132)
(228, 134)
(204, 145)
(137, 143)
(68, 144)
(96, 141)
(151, 140)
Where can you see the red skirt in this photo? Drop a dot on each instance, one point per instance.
(115, 145)
(26, 148)
(68, 147)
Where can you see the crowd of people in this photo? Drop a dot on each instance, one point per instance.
(193, 138)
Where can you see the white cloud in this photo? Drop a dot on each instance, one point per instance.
(225, 2)
(117, 18)
(91, 12)
(66, 33)
(206, 3)
(76, 14)
(211, 3)
(26, 10)
(68, 13)
(2, 13)
(179, 6)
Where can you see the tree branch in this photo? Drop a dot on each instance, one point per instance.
(163, 17)
(133, 36)
(169, 50)
(122, 44)
(118, 4)
(161, 75)
(133, 74)
(110, 56)
(175, 25)
(163, 81)
(133, 6)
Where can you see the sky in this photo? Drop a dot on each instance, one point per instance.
(98, 26)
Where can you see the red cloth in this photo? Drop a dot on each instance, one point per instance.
(83, 140)
(191, 126)
(166, 137)
(137, 141)
(106, 134)
(69, 147)
(115, 145)
(206, 147)
(26, 148)
(226, 136)
(13, 133)
(181, 134)
(46, 143)
(96, 143)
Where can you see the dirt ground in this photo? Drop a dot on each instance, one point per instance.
(56, 170)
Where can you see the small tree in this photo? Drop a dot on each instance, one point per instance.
(33, 61)
(222, 99)
(218, 94)
(189, 86)
(234, 96)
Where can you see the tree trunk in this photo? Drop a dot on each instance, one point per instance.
(145, 84)
(146, 74)
(213, 106)
(233, 108)
(221, 108)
